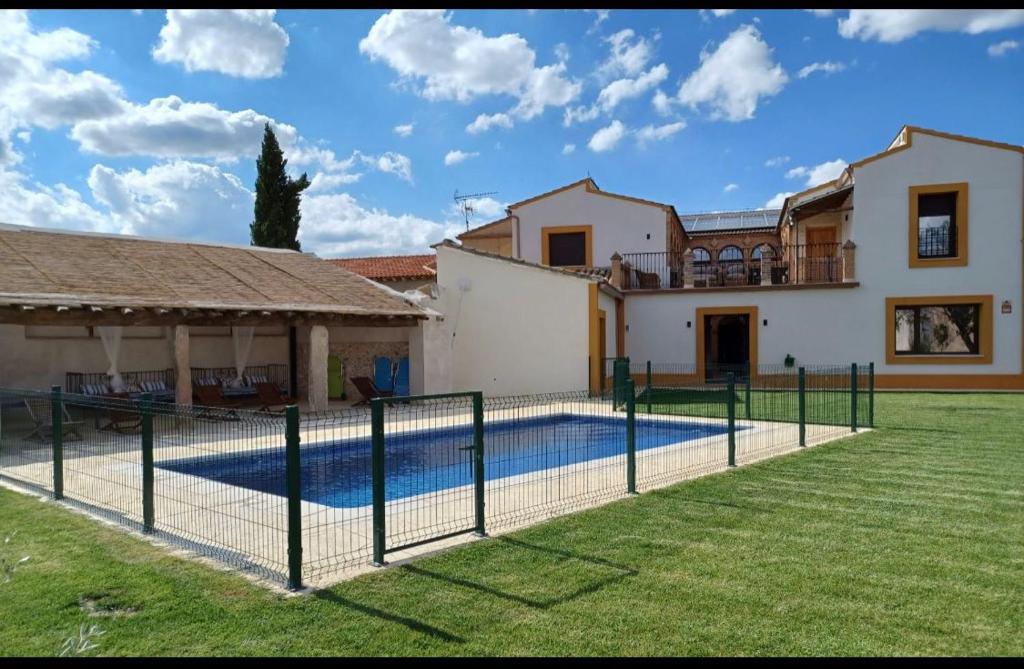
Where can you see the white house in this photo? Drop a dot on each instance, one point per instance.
(911, 259)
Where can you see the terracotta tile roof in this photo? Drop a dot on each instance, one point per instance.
(391, 268)
(53, 267)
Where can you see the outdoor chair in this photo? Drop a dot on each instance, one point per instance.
(271, 398)
(122, 421)
(213, 396)
(40, 411)
(368, 390)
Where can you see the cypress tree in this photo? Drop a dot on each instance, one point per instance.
(276, 215)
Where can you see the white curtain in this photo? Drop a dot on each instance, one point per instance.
(241, 337)
(111, 338)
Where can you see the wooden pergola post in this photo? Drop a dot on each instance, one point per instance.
(316, 371)
(182, 366)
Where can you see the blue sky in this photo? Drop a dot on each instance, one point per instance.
(149, 122)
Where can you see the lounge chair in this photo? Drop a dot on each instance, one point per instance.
(40, 411)
(368, 390)
(212, 396)
(271, 398)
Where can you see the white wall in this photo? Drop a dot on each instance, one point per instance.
(607, 303)
(618, 225)
(517, 329)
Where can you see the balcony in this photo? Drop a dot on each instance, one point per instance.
(796, 265)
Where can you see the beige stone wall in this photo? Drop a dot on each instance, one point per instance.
(356, 357)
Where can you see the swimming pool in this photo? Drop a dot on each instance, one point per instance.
(338, 474)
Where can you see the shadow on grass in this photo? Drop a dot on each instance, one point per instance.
(624, 572)
(410, 623)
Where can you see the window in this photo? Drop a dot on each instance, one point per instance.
(730, 254)
(701, 256)
(566, 246)
(938, 225)
(760, 249)
(939, 329)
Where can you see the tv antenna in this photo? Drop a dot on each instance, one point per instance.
(465, 203)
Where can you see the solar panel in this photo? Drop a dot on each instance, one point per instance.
(730, 220)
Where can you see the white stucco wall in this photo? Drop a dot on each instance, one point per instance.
(515, 329)
(618, 225)
(606, 303)
(845, 325)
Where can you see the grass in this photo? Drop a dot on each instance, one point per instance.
(904, 541)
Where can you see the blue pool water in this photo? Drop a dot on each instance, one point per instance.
(338, 474)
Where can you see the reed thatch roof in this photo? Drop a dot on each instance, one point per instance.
(49, 268)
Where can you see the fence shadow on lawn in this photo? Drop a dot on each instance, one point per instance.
(561, 555)
(411, 623)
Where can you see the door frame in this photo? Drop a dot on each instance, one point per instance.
(750, 312)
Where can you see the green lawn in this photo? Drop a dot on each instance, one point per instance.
(908, 540)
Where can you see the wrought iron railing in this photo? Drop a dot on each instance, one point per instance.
(795, 264)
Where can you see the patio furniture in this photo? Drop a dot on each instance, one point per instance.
(271, 398)
(368, 390)
(384, 374)
(212, 396)
(40, 410)
(120, 420)
(402, 377)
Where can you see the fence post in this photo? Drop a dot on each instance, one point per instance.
(649, 377)
(871, 394)
(853, 397)
(146, 407)
(746, 397)
(731, 405)
(478, 461)
(377, 430)
(294, 482)
(57, 437)
(630, 437)
(802, 403)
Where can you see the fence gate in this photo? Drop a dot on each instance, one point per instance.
(427, 469)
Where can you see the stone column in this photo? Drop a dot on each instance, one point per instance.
(316, 369)
(616, 278)
(688, 268)
(182, 366)
(767, 255)
(849, 261)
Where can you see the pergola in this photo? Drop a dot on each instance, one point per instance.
(50, 277)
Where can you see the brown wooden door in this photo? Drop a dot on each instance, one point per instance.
(820, 255)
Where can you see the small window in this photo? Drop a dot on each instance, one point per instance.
(567, 249)
(701, 256)
(936, 225)
(760, 249)
(938, 329)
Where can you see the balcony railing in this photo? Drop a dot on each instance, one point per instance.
(795, 264)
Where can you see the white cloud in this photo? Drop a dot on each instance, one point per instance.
(485, 122)
(818, 174)
(600, 16)
(568, 148)
(562, 52)
(717, 13)
(821, 13)
(337, 225)
(730, 188)
(392, 163)
(1003, 47)
(452, 62)
(172, 128)
(404, 130)
(178, 199)
(733, 78)
(327, 181)
(238, 42)
(777, 161)
(615, 92)
(651, 133)
(607, 138)
(777, 201)
(828, 67)
(896, 25)
(628, 55)
(662, 103)
(44, 206)
(456, 156)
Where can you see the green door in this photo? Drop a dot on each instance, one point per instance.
(335, 378)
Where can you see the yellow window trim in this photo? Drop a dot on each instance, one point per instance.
(727, 311)
(961, 225)
(594, 343)
(545, 243)
(985, 322)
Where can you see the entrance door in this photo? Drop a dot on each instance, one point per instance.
(726, 345)
(820, 260)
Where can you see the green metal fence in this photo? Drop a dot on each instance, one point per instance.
(302, 498)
